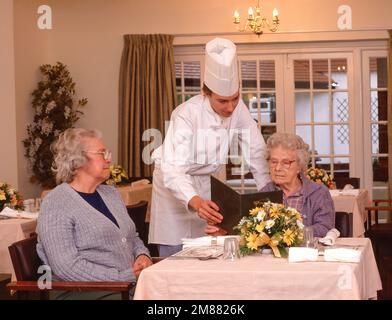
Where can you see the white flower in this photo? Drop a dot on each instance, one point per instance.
(46, 93)
(37, 142)
(50, 106)
(270, 223)
(47, 126)
(67, 112)
(260, 215)
(39, 110)
(60, 90)
(300, 224)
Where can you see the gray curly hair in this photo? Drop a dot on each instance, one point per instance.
(291, 142)
(68, 152)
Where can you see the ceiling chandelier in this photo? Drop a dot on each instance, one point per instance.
(255, 22)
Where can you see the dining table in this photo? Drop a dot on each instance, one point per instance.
(354, 202)
(263, 276)
(12, 230)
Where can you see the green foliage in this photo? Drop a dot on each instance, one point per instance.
(55, 111)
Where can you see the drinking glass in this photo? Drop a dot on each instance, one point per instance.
(309, 237)
(231, 249)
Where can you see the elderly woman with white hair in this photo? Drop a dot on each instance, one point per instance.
(84, 230)
(288, 158)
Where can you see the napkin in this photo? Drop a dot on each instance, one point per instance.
(330, 237)
(334, 192)
(8, 212)
(350, 192)
(342, 254)
(203, 241)
(302, 254)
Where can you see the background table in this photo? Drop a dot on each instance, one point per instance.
(262, 277)
(12, 230)
(356, 205)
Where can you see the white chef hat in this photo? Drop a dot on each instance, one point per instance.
(221, 72)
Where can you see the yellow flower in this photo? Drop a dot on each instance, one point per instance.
(253, 241)
(260, 226)
(254, 211)
(2, 195)
(274, 213)
(288, 236)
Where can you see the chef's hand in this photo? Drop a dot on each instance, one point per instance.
(213, 230)
(206, 209)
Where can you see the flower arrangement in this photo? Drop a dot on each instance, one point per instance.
(118, 176)
(320, 176)
(9, 196)
(270, 225)
(55, 111)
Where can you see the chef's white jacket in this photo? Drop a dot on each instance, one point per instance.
(196, 146)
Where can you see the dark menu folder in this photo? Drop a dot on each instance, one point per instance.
(233, 205)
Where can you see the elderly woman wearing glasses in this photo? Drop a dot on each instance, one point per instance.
(288, 157)
(84, 231)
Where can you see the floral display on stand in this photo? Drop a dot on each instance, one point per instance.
(271, 225)
(10, 197)
(55, 111)
(320, 176)
(118, 176)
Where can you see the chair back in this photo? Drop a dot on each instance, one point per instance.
(138, 212)
(344, 223)
(340, 182)
(25, 259)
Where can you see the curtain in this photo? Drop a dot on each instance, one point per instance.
(147, 96)
(389, 108)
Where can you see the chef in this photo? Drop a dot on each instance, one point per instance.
(196, 146)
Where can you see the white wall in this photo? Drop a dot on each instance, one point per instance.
(8, 155)
(87, 36)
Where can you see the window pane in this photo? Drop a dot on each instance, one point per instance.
(339, 73)
(380, 169)
(190, 95)
(378, 105)
(322, 141)
(379, 138)
(340, 106)
(341, 167)
(192, 76)
(378, 73)
(267, 74)
(248, 75)
(302, 107)
(250, 100)
(267, 131)
(178, 76)
(179, 98)
(268, 108)
(320, 74)
(341, 139)
(321, 106)
(323, 163)
(305, 133)
(301, 74)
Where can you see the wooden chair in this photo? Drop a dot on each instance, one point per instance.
(340, 182)
(344, 223)
(138, 212)
(381, 236)
(26, 262)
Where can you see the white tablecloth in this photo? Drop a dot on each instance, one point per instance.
(262, 277)
(356, 205)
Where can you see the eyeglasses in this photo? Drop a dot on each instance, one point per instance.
(285, 164)
(106, 154)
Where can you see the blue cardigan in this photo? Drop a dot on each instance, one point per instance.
(80, 244)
